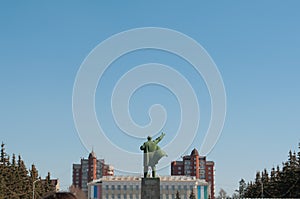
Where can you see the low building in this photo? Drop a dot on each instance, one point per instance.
(129, 187)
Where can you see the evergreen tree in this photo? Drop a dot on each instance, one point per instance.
(23, 180)
(15, 181)
(3, 159)
(264, 182)
(298, 154)
(33, 173)
(38, 187)
(2, 153)
(242, 188)
(258, 185)
(290, 175)
(297, 187)
(282, 183)
(273, 188)
(14, 164)
(3, 173)
(3, 181)
(47, 184)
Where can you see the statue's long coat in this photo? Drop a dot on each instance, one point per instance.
(152, 152)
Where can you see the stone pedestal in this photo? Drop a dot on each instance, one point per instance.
(150, 188)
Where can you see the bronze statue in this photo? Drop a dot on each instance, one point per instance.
(152, 154)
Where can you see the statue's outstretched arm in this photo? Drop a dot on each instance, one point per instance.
(157, 140)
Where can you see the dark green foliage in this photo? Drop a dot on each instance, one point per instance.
(47, 184)
(33, 173)
(16, 182)
(242, 188)
(4, 157)
(298, 157)
(282, 183)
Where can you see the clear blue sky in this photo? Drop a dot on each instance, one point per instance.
(255, 45)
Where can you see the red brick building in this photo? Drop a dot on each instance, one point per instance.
(88, 170)
(195, 165)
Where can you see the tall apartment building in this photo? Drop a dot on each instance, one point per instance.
(88, 170)
(195, 165)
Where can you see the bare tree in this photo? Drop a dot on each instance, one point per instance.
(222, 194)
(77, 192)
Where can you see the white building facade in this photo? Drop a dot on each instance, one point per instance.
(129, 187)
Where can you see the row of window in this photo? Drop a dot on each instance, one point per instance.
(125, 187)
(136, 187)
(202, 166)
(173, 196)
(179, 187)
(202, 171)
(125, 196)
(136, 196)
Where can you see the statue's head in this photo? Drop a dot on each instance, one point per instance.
(149, 138)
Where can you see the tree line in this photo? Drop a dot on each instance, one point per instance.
(282, 182)
(17, 182)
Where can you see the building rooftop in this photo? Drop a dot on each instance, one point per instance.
(194, 152)
(138, 178)
(92, 154)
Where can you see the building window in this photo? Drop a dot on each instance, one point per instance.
(125, 196)
(112, 187)
(137, 187)
(173, 187)
(119, 187)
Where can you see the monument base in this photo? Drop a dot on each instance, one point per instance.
(150, 188)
